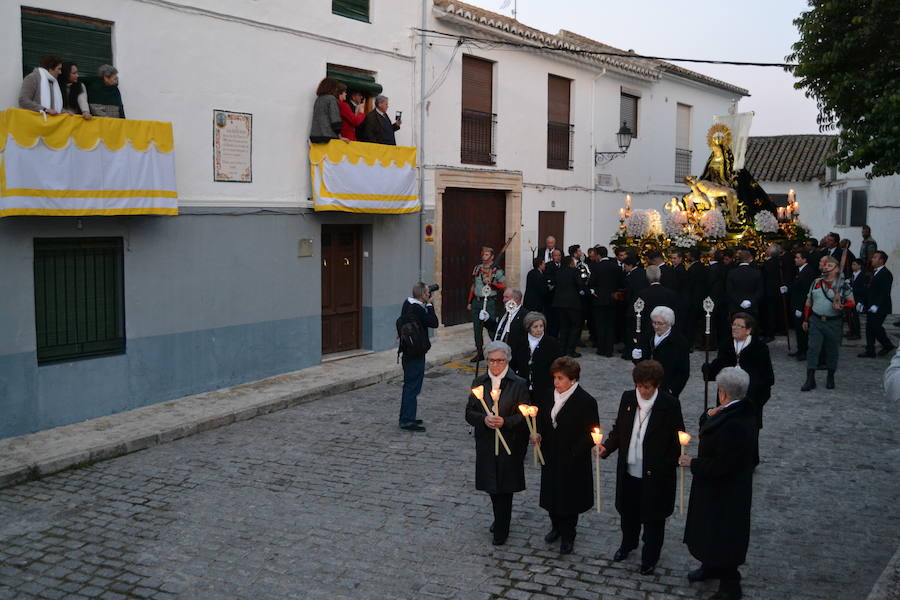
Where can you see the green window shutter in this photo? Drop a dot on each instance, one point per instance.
(78, 298)
(356, 81)
(353, 9)
(86, 42)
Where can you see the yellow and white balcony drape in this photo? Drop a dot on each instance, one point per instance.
(363, 178)
(65, 165)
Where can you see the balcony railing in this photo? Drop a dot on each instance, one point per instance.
(477, 139)
(682, 164)
(559, 145)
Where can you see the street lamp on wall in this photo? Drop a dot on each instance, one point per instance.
(623, 137)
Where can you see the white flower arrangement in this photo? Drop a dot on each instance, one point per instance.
(636, 223)
(674, 223)
(713, 224)
(684, 239)
(765, 222)
(654, 224)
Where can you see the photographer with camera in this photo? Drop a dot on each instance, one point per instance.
(416, 316)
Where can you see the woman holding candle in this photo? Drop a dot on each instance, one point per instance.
(646, 433)
(499, 473)
(532, 357)
(564, 433)
(717, 531)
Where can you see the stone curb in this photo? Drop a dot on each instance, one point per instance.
(887, 587)
(33, 456)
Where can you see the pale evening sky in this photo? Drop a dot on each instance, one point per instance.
(760, 31)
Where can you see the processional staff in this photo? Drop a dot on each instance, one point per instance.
(708, 306)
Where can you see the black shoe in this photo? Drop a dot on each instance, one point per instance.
(697, 575)
(575, 354)
(418, 421)
(886, 350)
(412, 427)
(801, 356)
(621, 554)
(498, 541)
(648, 569)
(810, 383)
(829, 382)
(566, 547)
(866, 354)
(551, 536)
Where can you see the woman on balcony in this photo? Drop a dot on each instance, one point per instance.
(74, 94)
(104, 96)
(40, 89)
(326, 118)
(353, 113)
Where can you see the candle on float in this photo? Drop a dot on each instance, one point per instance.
(621, 213)
(780, 213)
(790, 196)
(683, 439)
(597, 436)
(628, 201)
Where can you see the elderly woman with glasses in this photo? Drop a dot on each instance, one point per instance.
(667, 347)
(564, 433)
(749, 353)
(500, 474)
(717, 531)
(533, 355)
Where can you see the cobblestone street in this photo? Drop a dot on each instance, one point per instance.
(331, 500)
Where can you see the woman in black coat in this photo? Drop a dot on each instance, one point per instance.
(753, 358)
(532, 356)
(669, 348)
(564, 432)
(501, 474)
(717, 531)
(646, 435)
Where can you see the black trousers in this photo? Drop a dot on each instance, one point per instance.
(565, 525)
(802, 336)
(570, 322)
(604, 328)
(630, 516)
(502, 513)
(875, 331)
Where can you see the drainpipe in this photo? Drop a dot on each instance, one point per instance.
(420, 154)
(593, 185)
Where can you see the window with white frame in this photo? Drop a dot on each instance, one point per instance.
(851, 208)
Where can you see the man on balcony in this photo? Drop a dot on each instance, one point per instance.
(377, 127)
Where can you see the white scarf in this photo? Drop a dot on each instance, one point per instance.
(533, 342)
(495, 380)
(559, 400)
(51, 97)
(739, 346)
(658, 338)
(636, 446)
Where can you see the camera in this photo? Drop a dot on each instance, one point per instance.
(398, 115)
(432, 288)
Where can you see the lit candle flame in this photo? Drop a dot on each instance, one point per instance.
(597, 434)
(478, 392)
(532, 411)
(684, 438)
(495, 395)
(523, 408)
(621, 213)
(628, 200)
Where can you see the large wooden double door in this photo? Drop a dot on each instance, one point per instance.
(341, 288)
(470, 219)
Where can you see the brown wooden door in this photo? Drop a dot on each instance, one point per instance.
(341, 288)
(471, 219)
(552, 222)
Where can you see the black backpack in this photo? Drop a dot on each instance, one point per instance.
(413, 337)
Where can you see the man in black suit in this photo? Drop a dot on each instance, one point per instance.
(693, 292)
(832, 246)
(806, 274)
(551, 271)
(679, 269)
(813, 254)
(510, 329)
(744, 286)
(646, 435)
(656, 294)
(716, 276)
(859, 281)
(667, 272)
(567, 305)
(773, 308)
(536, 290)
(377, 127)
(879, 297)
(546, 252)
(604, 282)
(635, 282)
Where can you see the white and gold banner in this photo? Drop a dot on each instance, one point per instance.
(65, 165)
(363, 178)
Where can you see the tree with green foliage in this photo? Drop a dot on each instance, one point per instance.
(848, 59)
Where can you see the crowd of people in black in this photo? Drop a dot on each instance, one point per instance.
(813, 288)
(339, 113)
(54, 88)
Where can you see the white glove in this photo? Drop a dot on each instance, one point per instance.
(860, 308)
(483, 315)
(745, 304)
(783, 289)
(873, 309)
(798, 314)
(636, 354)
